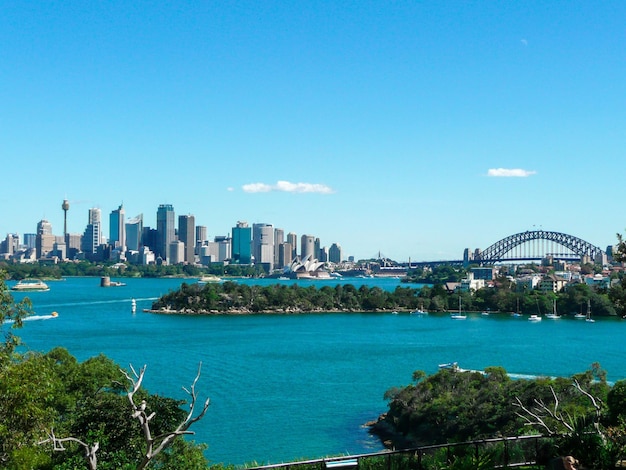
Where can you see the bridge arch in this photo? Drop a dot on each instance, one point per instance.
(536, 245)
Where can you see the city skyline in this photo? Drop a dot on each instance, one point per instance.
(414, 130)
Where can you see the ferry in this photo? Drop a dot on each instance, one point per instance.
(30, 285)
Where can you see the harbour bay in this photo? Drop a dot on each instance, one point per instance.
(284, 387)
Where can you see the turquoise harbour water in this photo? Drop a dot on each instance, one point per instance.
(285, 387)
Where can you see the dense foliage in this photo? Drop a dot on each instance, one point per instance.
(234, 297)
(52, 392)
(457, 406)
(285, 298)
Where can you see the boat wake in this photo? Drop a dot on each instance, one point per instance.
(33, 318)
(102, 302)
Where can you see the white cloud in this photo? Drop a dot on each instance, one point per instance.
(509, 172)
(287, 187)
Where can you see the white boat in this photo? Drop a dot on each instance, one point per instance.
(554, 315)
(30, 285)
(459, 315)
(419, 311)
(516, 313)
(133, 305)
(209, 278)
(535, 316)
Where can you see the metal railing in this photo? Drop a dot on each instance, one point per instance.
(505, 452)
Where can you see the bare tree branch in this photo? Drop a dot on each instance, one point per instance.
(154, 445)
(90, 451)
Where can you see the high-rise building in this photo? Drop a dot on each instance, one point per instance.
(334, 253)
(201, 237)
(176, 252)
(134, 230)
(241, 252)
(285, 254)
(117, 228)
(93, 233)
(166, 229)
(279, 239)
(11, 244)
(307, 246)
(317, 247)
(44, 227)
(263, 245)
(292, 239)
(30, 240)
(187, 235)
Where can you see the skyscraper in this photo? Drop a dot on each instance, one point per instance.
(117, 228)
(201, 237)
(279, 239)
(334, 253)
(92, 236)
(292, 239)
(44, 227)
(307, 246)
(241, 248)
(166, 229)
(187, 235)
(134, 230)
(263, 245)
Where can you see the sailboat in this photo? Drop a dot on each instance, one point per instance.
(588, 316)
(460, 315)
(419, 311)
(516, 313)
(535, 316)
(133, 305)
(580, 315)
(553, 315)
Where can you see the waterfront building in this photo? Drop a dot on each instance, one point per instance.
(165, 231)
(552, 283)
(117, 228)
(292, 239)
(242, 243)
(307, 246)
(263, 245)
(485, 273)
(187, 235)
(334, 253)
(134, 230)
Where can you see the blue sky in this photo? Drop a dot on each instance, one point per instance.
(413, 129)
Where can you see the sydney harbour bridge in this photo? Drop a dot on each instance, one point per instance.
(534, 245)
